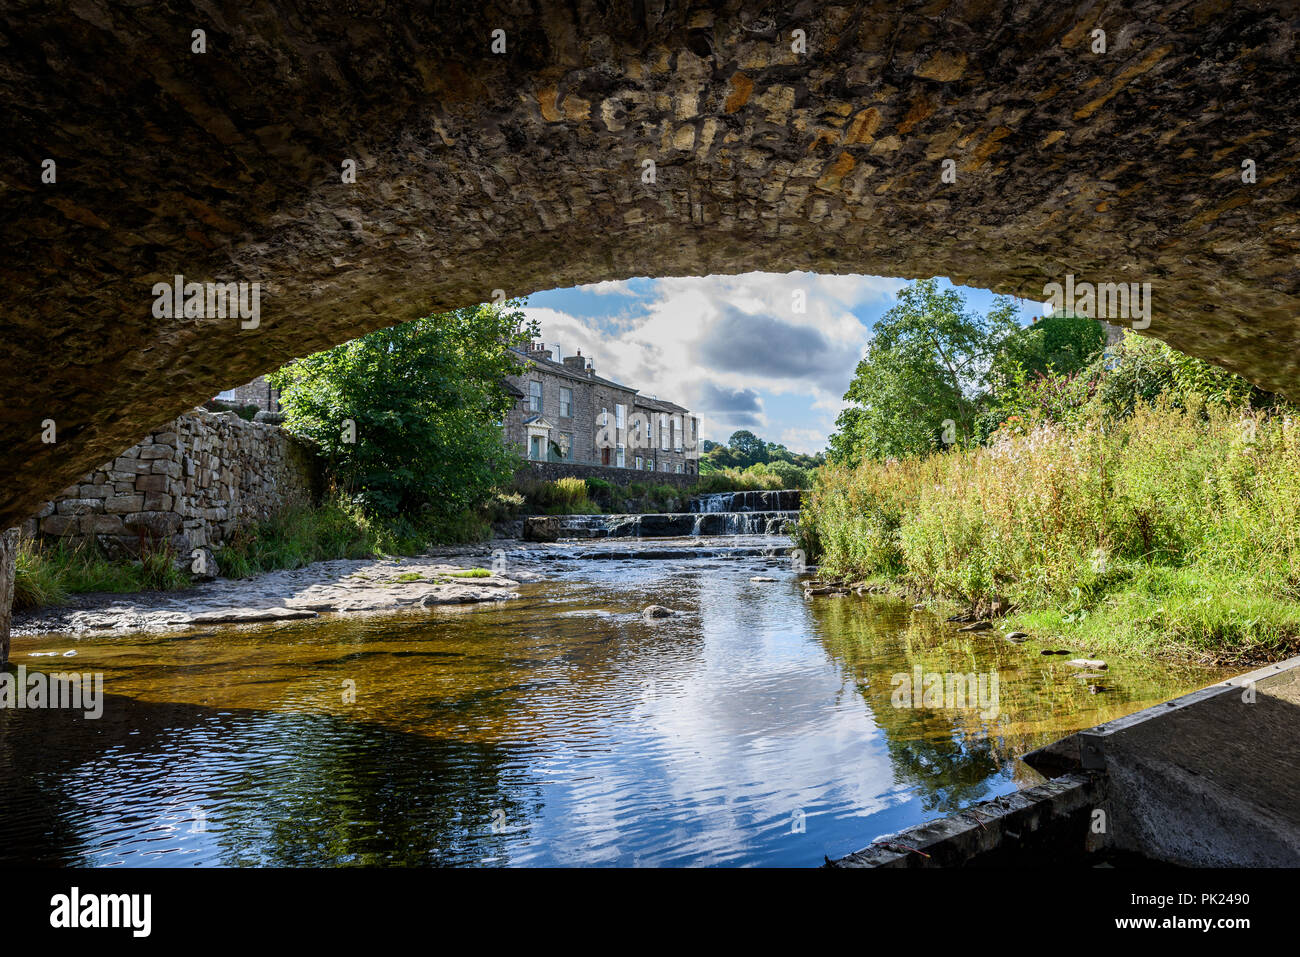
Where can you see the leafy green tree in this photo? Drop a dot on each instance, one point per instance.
(1140, 370)
(926, 364)
(747, 446)
(406, 418)
(1061, 344)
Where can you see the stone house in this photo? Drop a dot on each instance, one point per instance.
(565, 413)
(259, 392)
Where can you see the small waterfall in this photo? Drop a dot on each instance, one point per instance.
(751, 516)
(773, 500)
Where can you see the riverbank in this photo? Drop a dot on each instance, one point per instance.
(358, 586)
(1171, 533)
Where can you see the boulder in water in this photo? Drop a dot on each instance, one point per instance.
(657, 611)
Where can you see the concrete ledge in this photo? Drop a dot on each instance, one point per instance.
(1208, 779)
(1046, 824)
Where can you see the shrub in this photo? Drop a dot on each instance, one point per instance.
(1175, 529)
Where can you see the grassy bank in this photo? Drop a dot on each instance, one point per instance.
(300, 536)
(576, 496)
(48, 573)
(1171, 532)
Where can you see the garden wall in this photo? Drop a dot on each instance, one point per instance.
(190, 484)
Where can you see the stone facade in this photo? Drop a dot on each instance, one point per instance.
(188, 485)
(566, 414)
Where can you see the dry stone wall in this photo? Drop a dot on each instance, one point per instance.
(189, 485)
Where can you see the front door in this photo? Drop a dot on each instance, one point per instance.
(535, 448)
(604, 456)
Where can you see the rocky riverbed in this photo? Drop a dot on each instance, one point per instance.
(332, 587)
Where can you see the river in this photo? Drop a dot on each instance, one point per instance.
(753, 727)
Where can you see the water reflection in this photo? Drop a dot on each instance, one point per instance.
(753, 728)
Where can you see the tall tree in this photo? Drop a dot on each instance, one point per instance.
(925, 365)
(406, 418)
(1063, 344)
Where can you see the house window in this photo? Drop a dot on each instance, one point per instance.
(566, 445)
(619, 459)
(649, 465)
(566, 403)
(534, 396)
(679, 468)
(667, 466)
(677, 434)
(620, 416)
(640, 462)
(604, 416)
(663, 432)
(226, 395)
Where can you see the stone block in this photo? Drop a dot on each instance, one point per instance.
(130, 465)
(125, 504)
(154, 452)
(157, 525)
(151, 483)
(156, 502)
(103, 525)
(59, 525)
(79, 506)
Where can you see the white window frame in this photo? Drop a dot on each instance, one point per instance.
(566, 404)
(620, 457)
(534, 397)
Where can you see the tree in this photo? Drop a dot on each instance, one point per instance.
(917, 386)
(749, 448)
(406, 418)
(1062, 344)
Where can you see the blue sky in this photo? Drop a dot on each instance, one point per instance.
(736, 350)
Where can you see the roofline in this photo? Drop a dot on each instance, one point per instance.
(559, 368)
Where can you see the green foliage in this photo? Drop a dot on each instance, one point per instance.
(926, 364)
(565, 496)
(1173, 530)
(745, 450)
(425, 398)
(1139, 370)
(339, 529)
(734, 480)
(46, 574)
(1060, 344)
(471, 573)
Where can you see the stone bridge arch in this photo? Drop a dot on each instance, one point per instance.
(522, 170)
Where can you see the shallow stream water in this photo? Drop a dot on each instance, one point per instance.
(753, 727)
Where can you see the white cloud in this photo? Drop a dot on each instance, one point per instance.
(693, 340)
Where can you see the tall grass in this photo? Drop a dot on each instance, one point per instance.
(299, 536)
(734, 480)
(1172, 531)
(46, 573)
